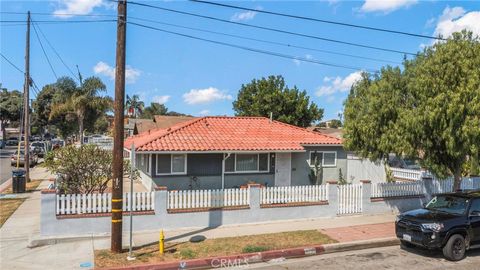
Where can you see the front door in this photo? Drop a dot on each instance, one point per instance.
(283, 169)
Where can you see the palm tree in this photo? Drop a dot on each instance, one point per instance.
(134, 106)
(81, 100)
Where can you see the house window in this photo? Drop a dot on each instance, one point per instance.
(179, 163)
(326, 159)
(171, 164)
(241, 163)
(146, 163)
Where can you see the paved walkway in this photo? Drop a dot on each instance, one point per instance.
(361, 232)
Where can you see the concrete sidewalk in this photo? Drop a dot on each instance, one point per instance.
(25, 222)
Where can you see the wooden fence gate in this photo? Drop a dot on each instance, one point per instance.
(350, 199)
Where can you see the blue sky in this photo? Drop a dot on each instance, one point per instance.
(200, 78)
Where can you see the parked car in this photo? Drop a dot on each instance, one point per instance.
(12, 141)
(32, 157)
(39, 148)
(449, 222)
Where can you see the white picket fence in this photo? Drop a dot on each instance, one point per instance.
(294, 194)
(211, 198)
(446, 185)
(397, 189)
(407, 174)
(102, 203)
(350, 199)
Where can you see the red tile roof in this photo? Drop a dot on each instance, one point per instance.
(229, 134)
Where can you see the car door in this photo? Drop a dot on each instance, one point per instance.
(474, 217)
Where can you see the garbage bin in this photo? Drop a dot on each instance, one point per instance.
(18, 181)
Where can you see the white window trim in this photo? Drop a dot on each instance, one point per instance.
(258, 164)
(171, 165)
(323, 159)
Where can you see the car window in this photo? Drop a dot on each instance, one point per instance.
(475, 205)
(449, 204)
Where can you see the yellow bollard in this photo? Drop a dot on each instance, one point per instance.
(161, 243)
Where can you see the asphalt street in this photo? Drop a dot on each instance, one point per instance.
(5, 168)
(377, 258)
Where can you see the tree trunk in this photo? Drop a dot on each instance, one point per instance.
(80, 124)
(457, 179)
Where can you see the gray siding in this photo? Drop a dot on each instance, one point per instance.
(301, 167)
(204, 171)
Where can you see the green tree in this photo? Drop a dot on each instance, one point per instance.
(81, 101)
(134, 106)
(10, 108)
(335, 123)
(154, 109)
(430, 111)
(272, 95)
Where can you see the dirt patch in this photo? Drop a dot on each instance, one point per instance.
(8, 207)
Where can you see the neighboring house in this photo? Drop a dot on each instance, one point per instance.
(335, 132)
(226, 152)
(129, 125)
(159, 121)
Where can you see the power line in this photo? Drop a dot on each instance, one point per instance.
(55, 51)
(272, 29)
(303, 59)
(264, 41)
(21, 71)
(318, 20)
(60, 14)
(57, 21)
(44, 53)
(11, 63)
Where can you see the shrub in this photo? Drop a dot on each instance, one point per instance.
(252, 249)
(187, 254)
(84, 169)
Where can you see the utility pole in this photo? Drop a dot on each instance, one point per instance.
(26, 103)
(117, 191)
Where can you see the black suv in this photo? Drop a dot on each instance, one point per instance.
(450, 222)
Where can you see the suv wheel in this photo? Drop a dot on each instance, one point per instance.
(455, 248)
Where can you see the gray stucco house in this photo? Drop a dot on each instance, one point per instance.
(227, 152)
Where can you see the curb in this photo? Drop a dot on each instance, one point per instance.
(5, 185)
(245, 259)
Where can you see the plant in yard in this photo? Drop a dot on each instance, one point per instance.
(341, 178)
(316, 173)
(187, 254)
(428, 110)
(252, 249)
(83, 170)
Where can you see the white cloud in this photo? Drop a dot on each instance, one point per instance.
(207, 95)
(243, 16)
(161, 99)
(456, 19)
(298, 62)
(385, 6)
(204, 112)
(131, 74)
(338, 84)
(76, 7)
